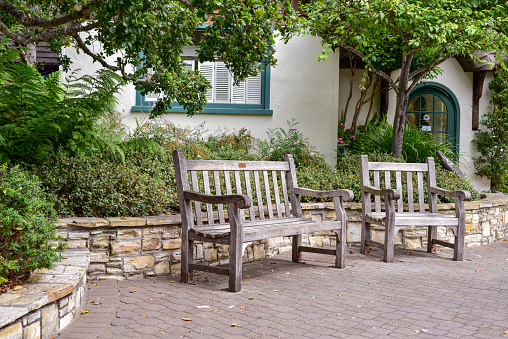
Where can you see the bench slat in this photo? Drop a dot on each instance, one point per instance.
(397, 166)
(218, 191)
(276, 193)
(377, 198)
(209, 209)
(285, 193)
(410, 200)
(268, 195)
(398, 182)
(197, 204)
(421, 201)
(239, 190)
(248, 189)
(259, 196)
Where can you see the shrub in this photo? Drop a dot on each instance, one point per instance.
(26, 225)
(417, 145)
(492, 142)
(104, 185)
(281, 142)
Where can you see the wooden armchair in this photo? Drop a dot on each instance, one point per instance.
(393, 219)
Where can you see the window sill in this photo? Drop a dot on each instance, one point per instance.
(238, 111)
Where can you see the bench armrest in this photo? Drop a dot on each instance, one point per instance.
(390, 193)
(243, 201)
(347, 195)
(462, 195)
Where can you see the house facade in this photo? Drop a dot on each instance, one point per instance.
(315, 93)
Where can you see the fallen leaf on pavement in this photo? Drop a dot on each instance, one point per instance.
(17, 288)
(187, 319)
(83, 311)
(203, 306)
(242, 307)
(133, 291)
(233, 325)
(231, 306)
(275, 290)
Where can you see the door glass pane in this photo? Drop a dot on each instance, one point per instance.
(427, 102)
(426, 122)
(440, 105)
(440, 137)
(441, 121)
(414, 105)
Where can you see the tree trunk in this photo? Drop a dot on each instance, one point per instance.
(399, 122)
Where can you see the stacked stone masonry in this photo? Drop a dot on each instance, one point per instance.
(127, 248)
(48, 301)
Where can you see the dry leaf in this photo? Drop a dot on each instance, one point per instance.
(133, 291)
(477, 270)
(242, 307)
(187, 319)
(203, 306)
(275, 290)
(17, 288)
(231, 306)
(233, 325)
(505, 332)
(83, 311)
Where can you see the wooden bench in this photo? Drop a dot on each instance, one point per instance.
(265, 204)
(405, 215)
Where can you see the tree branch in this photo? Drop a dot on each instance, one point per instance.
(26, 21)
(53, 33)
(11, 35)
(373, 69)
(421, 72)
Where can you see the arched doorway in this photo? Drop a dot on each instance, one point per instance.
(433, 108)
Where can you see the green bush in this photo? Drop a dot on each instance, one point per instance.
(417, 146)
(492, 141)
(26, 225)
(104, 185)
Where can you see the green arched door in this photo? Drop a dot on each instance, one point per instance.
(434, 109)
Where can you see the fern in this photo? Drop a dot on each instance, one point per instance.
(39, 116)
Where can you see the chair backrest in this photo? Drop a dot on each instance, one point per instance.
(409, 180)
(268, 183)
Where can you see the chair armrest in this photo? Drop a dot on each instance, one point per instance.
(462, 195)
(390, 193)
(347, 195)
(243, 201)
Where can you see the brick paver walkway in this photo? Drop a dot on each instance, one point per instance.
(421, 295)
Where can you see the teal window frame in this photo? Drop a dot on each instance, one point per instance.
(263, 108)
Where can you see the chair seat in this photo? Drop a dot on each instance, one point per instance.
(413, 219)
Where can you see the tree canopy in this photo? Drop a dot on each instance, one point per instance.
(412, 36)
(143, 39)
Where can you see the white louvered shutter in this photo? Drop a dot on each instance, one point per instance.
(238, 93)
(253, 89)
(222, 83)
(207, 70)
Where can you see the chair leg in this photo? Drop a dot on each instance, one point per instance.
(366, 235)
(340, 248)
(431, 235)
(389, 243)
(235, 267)
(458, 246)
(296, 243)
(186, 275)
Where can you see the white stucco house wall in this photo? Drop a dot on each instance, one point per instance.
(314, 93)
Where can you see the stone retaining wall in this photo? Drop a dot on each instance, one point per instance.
(125, 248)
(48, 301)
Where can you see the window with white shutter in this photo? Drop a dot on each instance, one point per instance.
(250, 96)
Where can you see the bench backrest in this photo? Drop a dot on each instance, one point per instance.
(408, 178)
(268, 183)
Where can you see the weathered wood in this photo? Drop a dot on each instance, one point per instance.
(377, 198)
(393, 221)
(317, 250)
(232, 229)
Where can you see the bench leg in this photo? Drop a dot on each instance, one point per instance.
(431, 235)
(366, 235)
(340, 248)
(296, 243)
(186, 275)
(389, 244)
(235, 267)
(458, 246)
